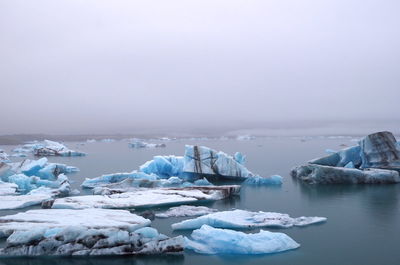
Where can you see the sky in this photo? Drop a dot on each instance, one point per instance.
(82, 66)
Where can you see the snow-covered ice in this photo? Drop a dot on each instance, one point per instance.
(186, 211)
(56, 218)
(209, 240)
(148, 197)
(241, 219)
(8, 188)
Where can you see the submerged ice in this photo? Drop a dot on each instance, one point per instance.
(209, 240)
(241, 219)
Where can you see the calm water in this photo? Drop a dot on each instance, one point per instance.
(363, 221)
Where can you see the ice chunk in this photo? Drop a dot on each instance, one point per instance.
(209, 240)
(52, 148)
(107, 140)
(8, 188)
(240, 158)
(204, 160)
(148, 197)
(91, 140)
(257, 180)
(9, 202)
(59, 218)
(164, 166)
(245, 137)
(241, 219)
(379, 150)
(341, 158)
(4, 156)
(33, 167)
(328, 175)
(137, 144)
(186, 211)
(116, 177)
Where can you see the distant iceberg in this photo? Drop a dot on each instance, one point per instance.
(376, 159)
(4, 156)
(138, 144)
(209, 240)
(47, 148)
(245, 137)
(241, 219)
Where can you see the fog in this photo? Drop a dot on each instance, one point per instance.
(96, 66)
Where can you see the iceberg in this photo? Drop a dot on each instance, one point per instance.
(186, 211)
(51, 148)
(137, 144)
(80, 241)
(258, 181)
(209, 240)
(9, 202)
(241, 219)
(165, 166)
(91, 140)
(116, 178)
(147, 197)
(317, 174)
(61, 218)
(204, 160)
(4, 156)
(245, 137)
(376, 159)
(107, 140)
(380, 150)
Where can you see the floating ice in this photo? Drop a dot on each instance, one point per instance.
(209, 240)
(4, 156)
(240, 219)
(116, 178)
(148, 197)
(314, 174)
(204, 160)
(258, 181)
(164, 166)
(186, 211)
(51, 148)
(91, 141)
(8, 188)
(245, 137)
(9, 202)
(137, 144)
(107, 140)
(380, 150)
(59, 218)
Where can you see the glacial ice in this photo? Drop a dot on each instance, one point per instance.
(246, 137)
(8, 188)
(375, 160)
(137, 144)
(186, 211)
(9, 202)
(51, 148)
(164, 166)
(116, 178)
(61, 218)
(241, 219)
(204, 160)
(147, 197)
(4, 156)
(380, 150)
(258, 181)
(209, 240)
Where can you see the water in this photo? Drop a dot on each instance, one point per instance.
(363, 220)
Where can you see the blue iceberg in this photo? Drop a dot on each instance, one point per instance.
(260, 181)
(209, 240)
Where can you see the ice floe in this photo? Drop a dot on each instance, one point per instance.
(260, 181)
(59, 218)
(148, 197)
(8, 188)
(47, 148)
(245, 137)
(4, 156)
(137, 144)
(209, 240)
(241, 219)
(186, 211)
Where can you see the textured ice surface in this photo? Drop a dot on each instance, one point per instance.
(8, 188)
(241, 219)
(204, 160)
(340, 158)
(314, 174)
(186, 211)
(258, 181)
(380, 150)
(117, 177)
(81, 241)
(209, 240)
(148, 197)
(9, 202)
(4, 156)
(51, 148)
(56, 218)
(164, 166)
(137, 144)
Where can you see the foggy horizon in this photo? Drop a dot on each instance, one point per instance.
(74, 67)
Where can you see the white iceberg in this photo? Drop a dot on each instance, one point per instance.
(116, 178)
(147, 197)
(51, 148)
(138, 144)
(186, 211)
(241, 219)
(209, 240)
(246, 137)
(108, 140)
(60, 218)
(9, 202)
(258, 181)
(4, 156)
(8, 188)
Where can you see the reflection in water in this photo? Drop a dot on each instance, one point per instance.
(126, 260)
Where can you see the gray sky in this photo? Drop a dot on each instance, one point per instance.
(117, 66)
